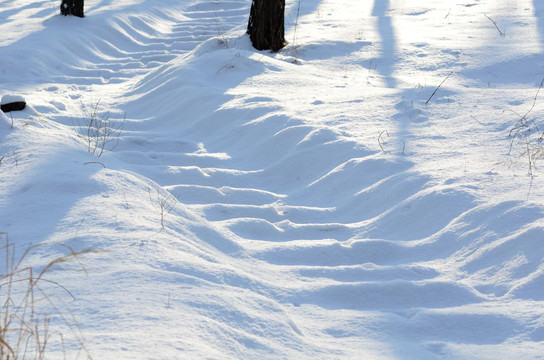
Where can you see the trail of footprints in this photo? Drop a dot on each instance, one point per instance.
(142, 42)
(283, 212)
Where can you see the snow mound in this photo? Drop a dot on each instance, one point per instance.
(351, 196)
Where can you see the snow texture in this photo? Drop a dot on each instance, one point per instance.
(353, 196)
(11, 98)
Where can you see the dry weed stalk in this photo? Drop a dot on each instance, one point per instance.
(25, 328)
(164, 203)
(98, 131)
(527, 136)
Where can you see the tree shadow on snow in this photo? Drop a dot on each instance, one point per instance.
(388, 42)
(538, 6)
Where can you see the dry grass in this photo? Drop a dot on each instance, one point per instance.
(28, 305)
(527, 136)
(98, 131)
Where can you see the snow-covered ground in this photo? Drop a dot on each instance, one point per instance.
(354, 196)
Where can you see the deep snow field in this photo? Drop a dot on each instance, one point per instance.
(354, 196)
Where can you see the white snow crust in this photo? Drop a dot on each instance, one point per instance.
(356, 195)
(10, 98)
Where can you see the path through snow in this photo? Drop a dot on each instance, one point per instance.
(305, 204)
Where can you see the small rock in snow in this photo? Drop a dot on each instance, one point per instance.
(12, 103)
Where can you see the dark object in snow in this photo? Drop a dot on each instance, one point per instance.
(13, 106)
(12, 103)
(266, 27)
(72, 7)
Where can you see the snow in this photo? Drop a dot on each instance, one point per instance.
(10, 98)
(319, 202)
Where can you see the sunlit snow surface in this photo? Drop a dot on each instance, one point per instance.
(354, 196)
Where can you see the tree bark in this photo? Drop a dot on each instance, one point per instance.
(72, 7)
(266, 24)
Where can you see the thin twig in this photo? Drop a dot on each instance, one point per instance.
(42, 280)
(494, 23)
(94, 162)
(478, 121)
(380, 139)
(435, 90)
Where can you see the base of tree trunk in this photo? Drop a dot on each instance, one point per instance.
(266, 24)
(72, 7)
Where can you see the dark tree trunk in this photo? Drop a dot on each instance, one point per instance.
(72, 7)
(266, 24)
